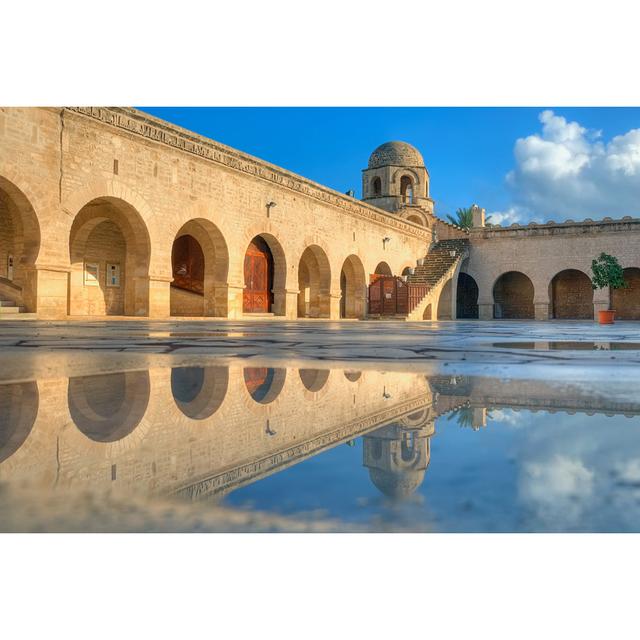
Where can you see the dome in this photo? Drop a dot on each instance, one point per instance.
(396, 485)
(397, 154)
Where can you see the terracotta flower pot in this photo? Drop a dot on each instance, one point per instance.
(606, 317)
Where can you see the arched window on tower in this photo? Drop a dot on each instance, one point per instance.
(406, 189)
(377, 186)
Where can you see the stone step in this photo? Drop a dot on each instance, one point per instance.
(9, 310)
(6, 317)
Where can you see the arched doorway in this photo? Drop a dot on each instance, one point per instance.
(314, 379)
(427, 314)
(265, 273)
(377, 186)
(466, 298)
(571, 295)
(626, 302)
(383, 269)
(353, 287)
(108, 407)
(199, 391)
(513, 297)
(314, 284)
(18, 411)
(109, 250)
(264, 384)
(200, 267)
(19, 246)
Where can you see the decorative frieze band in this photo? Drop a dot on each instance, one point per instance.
(141, 124)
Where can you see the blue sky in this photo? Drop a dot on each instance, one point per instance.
(521, 164)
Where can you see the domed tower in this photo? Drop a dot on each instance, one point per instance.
(397, 457)
(397, 180)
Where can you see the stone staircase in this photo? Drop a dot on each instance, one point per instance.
(11, 311)
(437, 267)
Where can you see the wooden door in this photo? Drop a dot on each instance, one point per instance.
(188, 264)
(258, 278)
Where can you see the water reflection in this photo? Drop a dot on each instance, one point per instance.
(108, 407)
(269, 436)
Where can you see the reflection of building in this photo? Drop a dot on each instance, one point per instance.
(398, 455)
(193, 431)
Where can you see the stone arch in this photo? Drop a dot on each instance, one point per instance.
(276, 276)
(428, 313)
(314, 283)
(199, 391)
(376, 186)
(264, 384)
(571, 295)
(398, 174)
(18, 411)
(626, 302)
(467, 292)
(314, 379)
(109, 252)
(445, 302)
(353, 288)
(513, 295)
(383, 269)
(19, 245)
(406, 271)
(108, 407)
(200, 270)
(407, 189)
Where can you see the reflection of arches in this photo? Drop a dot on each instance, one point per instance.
(265, 272)
(199, 391)
(415, 219)
(466, 297)
(18, 411)
(571, 295)
(314, 379)
(406, 189)
(314, 283)
(200, 267)
(264, 384)
(19, 246)
(626, 302)
(444, 302)
(513, 296)
(352, 376)
(109, 249)
(108, 407)
(353, 286)
(383, 269)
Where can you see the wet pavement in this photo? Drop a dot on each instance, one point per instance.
(319, 426)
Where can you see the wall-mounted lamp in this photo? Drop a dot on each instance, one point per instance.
(385, 240)
(270, 205)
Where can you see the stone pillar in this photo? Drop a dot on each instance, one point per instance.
(334, 304)
(541, 310)
(159, 296)
(485, 310)
(285, 303)
(234, 299)
(601, 300)
(49, 286)
(477, 216)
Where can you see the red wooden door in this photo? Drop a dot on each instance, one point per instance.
(258, 278)
(388, 296)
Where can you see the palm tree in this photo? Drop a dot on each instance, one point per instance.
(464, 218)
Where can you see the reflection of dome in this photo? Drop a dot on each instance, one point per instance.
(397, 154)
(400, 484)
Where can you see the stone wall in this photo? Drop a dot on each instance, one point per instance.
(155, 178)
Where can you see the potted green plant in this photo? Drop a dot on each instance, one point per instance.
(607, 272)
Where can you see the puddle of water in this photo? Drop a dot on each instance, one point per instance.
(246, 448)
(567, 345)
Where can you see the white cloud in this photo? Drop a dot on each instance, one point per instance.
(566, 171)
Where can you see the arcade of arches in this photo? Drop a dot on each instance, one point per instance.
(162, 224)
